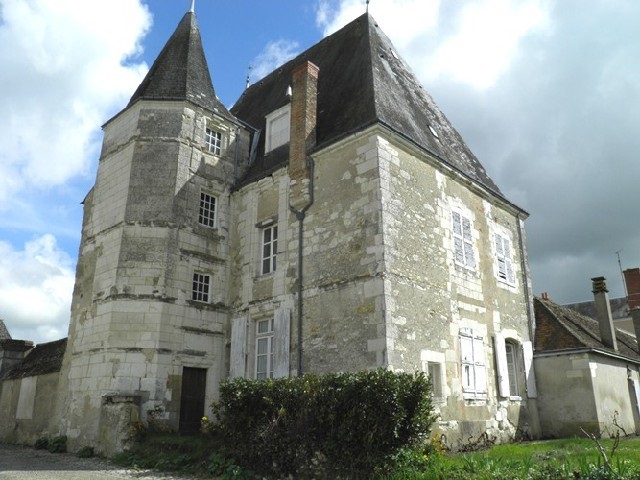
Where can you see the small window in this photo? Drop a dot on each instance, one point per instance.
(269, 248)
(512, 368)
(264, 349)
(201, 286)
(463, 241)
(474, 369)
(434, 371)
(207, 214)
(504, 266)
(213, 141)
(278, 128)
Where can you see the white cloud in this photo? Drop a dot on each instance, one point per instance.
(272, 56)
(36, 284)
(64, 72)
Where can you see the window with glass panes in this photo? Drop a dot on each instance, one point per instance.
(200, 287)
(264, 349)
(207, 213)
(269, 248)
(512, 367)
(213, 141)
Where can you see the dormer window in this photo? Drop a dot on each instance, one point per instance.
(277, 128)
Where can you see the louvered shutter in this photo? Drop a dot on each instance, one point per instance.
(501, 365)
(238, 359)
(507, 261)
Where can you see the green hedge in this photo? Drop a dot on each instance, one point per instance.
(342, 424)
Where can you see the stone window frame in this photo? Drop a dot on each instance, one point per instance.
(278, 128)
(212, 140)
(512, 365)
(201, 287)
(473, 371)
(207, 216)
(462, 237)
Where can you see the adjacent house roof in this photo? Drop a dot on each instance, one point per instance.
(4, 333)
(561, 328)
(362, 80)
(44, 358)
(180, 71)
(619, 308)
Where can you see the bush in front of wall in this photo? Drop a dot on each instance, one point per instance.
(342, 424)
(58, 444)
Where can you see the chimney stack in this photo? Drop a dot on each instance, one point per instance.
(632, 281)
(304, 106)
(603, 313)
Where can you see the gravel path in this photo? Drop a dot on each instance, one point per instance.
(26, 463)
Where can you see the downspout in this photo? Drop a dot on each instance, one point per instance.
(525, 278)
(300, 216)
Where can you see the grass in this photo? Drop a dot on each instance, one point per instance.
(566, 459)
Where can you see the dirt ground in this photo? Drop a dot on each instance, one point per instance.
(26, 463)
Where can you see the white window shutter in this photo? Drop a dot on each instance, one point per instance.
(527, 354)
(501, 365)
(282, 340)
(480, 365)
(636, 389)
(238, 359)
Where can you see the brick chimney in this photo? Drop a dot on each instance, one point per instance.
(304, 106)
(632, 281)
(603, 313)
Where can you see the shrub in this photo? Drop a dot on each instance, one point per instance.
(58, 444)
(41, 443)
(85, 452)
(343, 424)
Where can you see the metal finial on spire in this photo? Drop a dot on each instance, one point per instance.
(249, 68)
(192, 9)
(367, 6)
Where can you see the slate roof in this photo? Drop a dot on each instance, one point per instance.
(4, 333)
(180, 71)
(561, 328)
(619, 308)
(44, 358)
(362, 80)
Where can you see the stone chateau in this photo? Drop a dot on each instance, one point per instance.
(331, 220)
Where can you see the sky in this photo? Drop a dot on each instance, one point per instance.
(545, 93)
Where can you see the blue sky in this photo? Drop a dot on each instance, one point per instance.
(545, 93)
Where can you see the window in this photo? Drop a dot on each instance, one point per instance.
(434, 371)
(269, 248)
(207, 214)
(278, 125)
(512, 367)
(264, 349)
(200, 290)
(213, 141)
(474, 370)
(504, 267)
(463, 241)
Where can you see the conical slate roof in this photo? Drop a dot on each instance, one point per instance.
(180, 72)
(362, 81)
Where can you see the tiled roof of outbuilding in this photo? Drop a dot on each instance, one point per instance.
(362, 81)
(561, 328)
(180, 71)
(44, 358)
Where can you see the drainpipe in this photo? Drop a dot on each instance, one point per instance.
(304, 101)
(524, 266)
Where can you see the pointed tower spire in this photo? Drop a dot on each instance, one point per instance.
(192, 9)
(180, 71)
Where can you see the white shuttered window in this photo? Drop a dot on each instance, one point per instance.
(463, 241)
(474, 368)
(504, 265)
